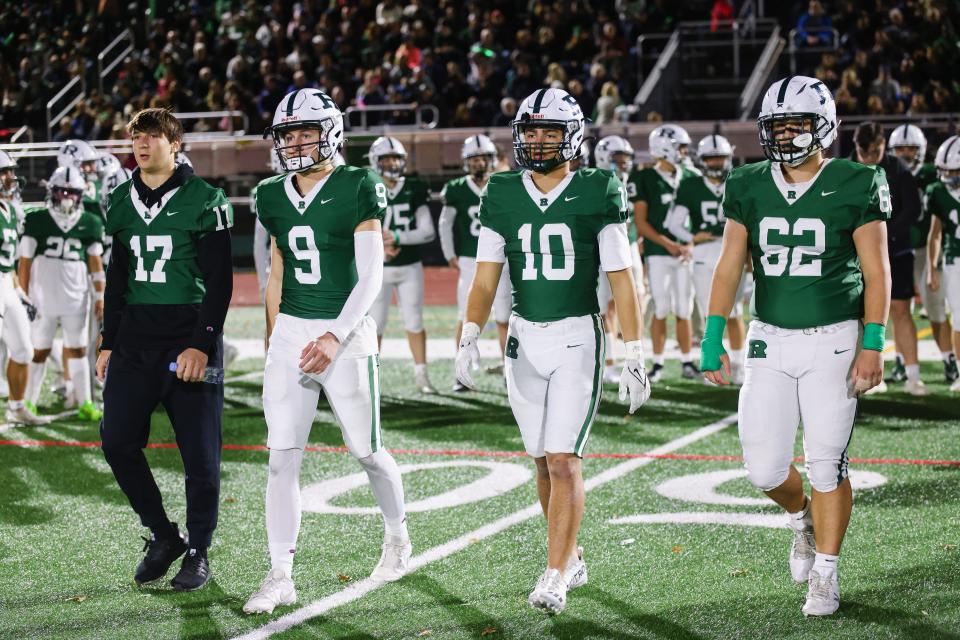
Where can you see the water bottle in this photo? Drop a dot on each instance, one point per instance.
(211, 375)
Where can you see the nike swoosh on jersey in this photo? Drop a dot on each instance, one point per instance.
(839, 352)
(826, 193)
(326, 201)
(568, 199)
(572, 346)
(172, 213)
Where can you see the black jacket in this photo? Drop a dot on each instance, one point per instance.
(905, 197)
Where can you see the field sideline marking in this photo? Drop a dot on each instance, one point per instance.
(361, 588)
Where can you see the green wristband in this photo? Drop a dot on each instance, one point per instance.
(874, 336)
(715, 327)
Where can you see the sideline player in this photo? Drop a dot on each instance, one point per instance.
(460, 228)
(407, 225)
(555, 230)
(326, 270)
(697, 204)
(815, 228)
(168, 290)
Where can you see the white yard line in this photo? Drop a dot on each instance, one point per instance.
(361, 588)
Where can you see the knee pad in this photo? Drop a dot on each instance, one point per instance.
(826, 475)
(767, 478)
(284, 462)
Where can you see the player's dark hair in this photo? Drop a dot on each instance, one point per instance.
(867, 133)
(156, 121)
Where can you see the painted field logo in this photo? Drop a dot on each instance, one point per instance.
(511, 349)
(758, 349)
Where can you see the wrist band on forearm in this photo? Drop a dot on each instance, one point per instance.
(874, 336)
(714, 327)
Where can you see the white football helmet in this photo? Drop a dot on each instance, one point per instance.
(797, 98)
(614, 153)
(111, 182)
(387, 147)
(479, 146)
(307, 109)
(182, 158)
(909, 135)
(948, 159)
(548, 108)
(79, 155)
(670, 142)
(714, 146)
(107, 163)
(9, 163)
(65, 193)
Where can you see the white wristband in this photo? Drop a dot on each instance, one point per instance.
(98, 276)
(471, 331)
(634, 350)
(98, 296)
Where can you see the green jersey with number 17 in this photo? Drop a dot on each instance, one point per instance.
(551, 241)
(162, 240)
(463, 195)
(314, 234)
(945, 204)
(805, 264)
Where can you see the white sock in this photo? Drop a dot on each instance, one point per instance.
(946, 355)
(913, 372)
(685, 358)
(658, 359)
(802, 519)
(736, 356)
(68, 385)
(387, 486)
(35, 373)
(825, 564)
(420, 369)
(80, 376)
(15, 404)
(283, 507)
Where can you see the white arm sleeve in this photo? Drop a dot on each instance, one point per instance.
(447, 216)
(676, 223)
(614, 248)
(95, 249)
(368, 252)
(491, 246)
(28, 247)
(424, 232)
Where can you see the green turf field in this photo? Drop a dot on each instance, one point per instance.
(69, 542)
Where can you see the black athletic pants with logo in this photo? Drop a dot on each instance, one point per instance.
(137, 382)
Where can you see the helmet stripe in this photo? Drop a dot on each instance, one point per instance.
(537, 103)
(946, 154)
(390, 142)
(782, 94)
(290, 102)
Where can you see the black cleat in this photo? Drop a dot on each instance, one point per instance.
(161, 553)
(460, 388)
(950, 371)
(899, 372)
(194, 571)
(655, 373)
(690, 371)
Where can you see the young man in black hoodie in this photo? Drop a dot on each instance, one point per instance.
(168, 289)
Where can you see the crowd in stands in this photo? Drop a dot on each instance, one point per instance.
(474, 60)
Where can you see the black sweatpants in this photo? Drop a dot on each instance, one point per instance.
(137, 381)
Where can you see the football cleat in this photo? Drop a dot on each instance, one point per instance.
(690, 371)
(422, 382)
(950, 371)
(916, 388)
(655, 373)
(576, 572)
(899, 372)
(550, 594)
(161, 553)
(276, 590)
(194, 571)
(611, 374)
(459, 387)
(955, 386)
(802, 554)
(823, 594)
(88, 411)
(25, 417)
(394, 560)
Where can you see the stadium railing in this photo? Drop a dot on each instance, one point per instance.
(411, 109)
(759, 77)
(103, 70)
(802, 52)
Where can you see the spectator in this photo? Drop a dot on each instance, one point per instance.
(886, 88)
(556, 77)
(583, 97)
(721, 15)
(814, 29)
(508, 111)
(520, 80)
(607, 104)
(269, 98)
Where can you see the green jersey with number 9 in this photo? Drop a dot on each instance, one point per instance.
(945, 204)
(9, 234)
(314, 234)
(463, 195)
(162, 241)
(551, 241)
(805, 264)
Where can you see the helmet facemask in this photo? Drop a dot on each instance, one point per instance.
(300, 156)
(64, 203)
(479, 166)
(10, 183)
(910, 154)
(800, 136)
(542, 156)
(711, 170)
(394, 170)
(950, 178)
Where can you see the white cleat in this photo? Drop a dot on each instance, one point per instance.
(422, 382)
(576, 572)
(802, 554)
(277, 590)
(823, 594)
(26, 417)
(550, 594)
(737, 374)
(955, 386)
(916, 388)
(611, 374)
(395, 559)
(880, 388)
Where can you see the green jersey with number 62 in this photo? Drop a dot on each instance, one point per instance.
(551, 241)
(463, 195)
(314, 234)
(9, 234)
(805, 265)
(409, 194)
(702, 199)
(648, 185)
(162, 241)
(945, 204)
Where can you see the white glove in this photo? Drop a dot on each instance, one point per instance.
(468, 356)
(633, 379)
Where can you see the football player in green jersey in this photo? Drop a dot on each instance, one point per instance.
(460, 228)
(908, 143)
(815, 229)
(695, 218)
(61, 243)
(407, 225)
(668, 261)
(942, 202)
(555, 231)
(169, 285)
(325, 272)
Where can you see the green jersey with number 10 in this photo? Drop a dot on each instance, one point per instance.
(551, 241)
(314, 234)
(805, 264)
(162, 243)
